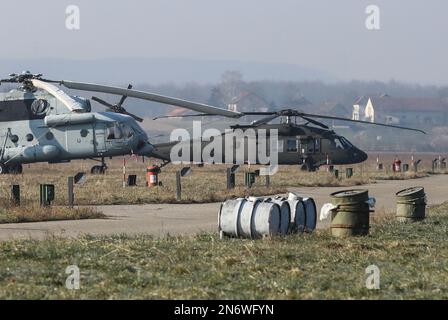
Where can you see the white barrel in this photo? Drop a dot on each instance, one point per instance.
(298, 216)
(228, 216)
(266, 219)
(310, 213)
(285, 214)
(246, 217)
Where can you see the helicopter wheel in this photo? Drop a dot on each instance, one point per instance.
(308, 166)
(98, 170)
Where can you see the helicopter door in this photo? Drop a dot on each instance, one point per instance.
(304, 146)
(100, 137)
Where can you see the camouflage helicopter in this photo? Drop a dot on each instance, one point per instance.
(39, 122)
(309, 146)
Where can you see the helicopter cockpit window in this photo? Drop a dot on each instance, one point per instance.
(127, 130)
(346, 143)
(342, 143)
(338, 144)
(114, 131)
(291, 145)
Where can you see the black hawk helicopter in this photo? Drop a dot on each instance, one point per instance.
(309, 146)
(41, 123)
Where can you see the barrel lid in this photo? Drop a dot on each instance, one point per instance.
(410, 191)
(349, 193)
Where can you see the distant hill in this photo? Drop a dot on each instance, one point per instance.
(156, 71)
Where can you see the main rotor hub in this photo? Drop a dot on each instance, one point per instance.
(24, 79)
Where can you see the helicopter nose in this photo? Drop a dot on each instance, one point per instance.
(359, 155)
(145, 150)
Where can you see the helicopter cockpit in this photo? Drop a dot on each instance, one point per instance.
(119, 131)
(341, 143)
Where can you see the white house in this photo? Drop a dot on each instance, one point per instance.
(401, 110)
(366, 113)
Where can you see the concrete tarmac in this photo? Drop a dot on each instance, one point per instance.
(175, 219)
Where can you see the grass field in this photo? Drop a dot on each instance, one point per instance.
(206, 184)
(411, 259)
(34, 212)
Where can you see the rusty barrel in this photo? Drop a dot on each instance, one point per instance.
(411, 204)
(351, 217)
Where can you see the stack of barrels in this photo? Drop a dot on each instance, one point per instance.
(254, 217)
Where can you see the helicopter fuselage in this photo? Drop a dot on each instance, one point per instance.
(47, 133)
(302, 145)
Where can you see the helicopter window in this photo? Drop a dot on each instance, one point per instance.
(14, 138)
(39, 107)
(29, 137)
(127, 131)
(317, 145)
(114, 131)
(338, 144)
(49, 135)
(345, 143)
(342, 143)
(84, 133)
(291, 145)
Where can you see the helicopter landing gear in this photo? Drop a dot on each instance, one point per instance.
(308, 166)
(3, 169)
(99, 169)
(12, 169)
(15, 169)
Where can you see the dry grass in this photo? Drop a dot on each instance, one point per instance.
(411, 259)
(206, 184)
(34, 213)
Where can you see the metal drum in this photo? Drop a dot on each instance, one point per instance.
(411, 204)
(266, 219)
(310, 214)
(351, 217)
(285, 214)
(228, 216)
(298, 216)
(245, 221)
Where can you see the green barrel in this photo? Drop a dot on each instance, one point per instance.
(411, 204)
(351, 217)
(249, 179)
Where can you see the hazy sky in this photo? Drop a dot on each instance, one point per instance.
(329, 35)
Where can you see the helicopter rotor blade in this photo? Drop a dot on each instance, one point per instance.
(184, 116)
(261, 113)
(199, 107)
(101, 101)
(56, 92)
(133, 116)
(360, 121)
(123, 98)
(317, 123)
